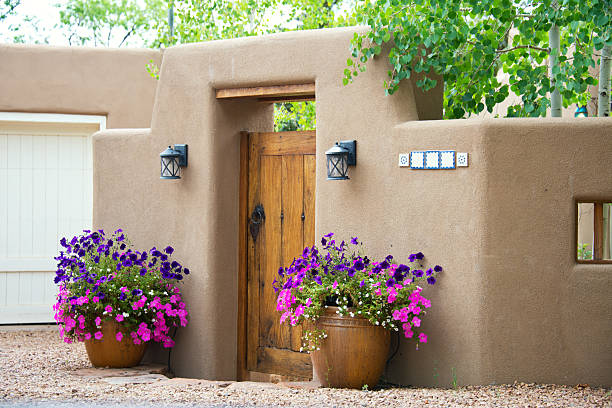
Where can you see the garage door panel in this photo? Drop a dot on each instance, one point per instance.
(52, 151)
(2, 288)
(48, 182)
(3, 204)
(25, 288)
(24, 202)
(25, 151)
(13, 151)
(12, 288)
(13, 211)
(51, 211)
(39, 212)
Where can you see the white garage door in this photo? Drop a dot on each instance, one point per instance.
(45, 194)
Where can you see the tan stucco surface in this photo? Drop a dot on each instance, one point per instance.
(199, 214)
(109, 82)
(511, 303)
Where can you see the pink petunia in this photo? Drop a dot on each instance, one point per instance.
(423, 338)
(108, 308)
(95, 299)
(98, 321)
(119, 318)
(98, 335)
(416, 322)
(87, 336)
(335, 285)
(119, 336)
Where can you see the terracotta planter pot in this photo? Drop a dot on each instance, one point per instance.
(353, 354)
(108, 352)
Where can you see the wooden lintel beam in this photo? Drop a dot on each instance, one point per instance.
(277, 91)
(286, 99)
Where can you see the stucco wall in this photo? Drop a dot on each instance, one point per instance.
(198, 214)
(502, 228)
(109, 82)
(512, 303)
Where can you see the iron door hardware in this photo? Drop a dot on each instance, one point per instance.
(258, 216)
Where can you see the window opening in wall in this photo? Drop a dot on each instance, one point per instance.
(291, 116)
(594, 231)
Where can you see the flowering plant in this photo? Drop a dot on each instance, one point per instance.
(104, 279)
(386, 293)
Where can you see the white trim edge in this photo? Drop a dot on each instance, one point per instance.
(53, 118)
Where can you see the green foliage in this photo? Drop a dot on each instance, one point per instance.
(7, 7)
(584, 252)
(153, 69)
(205, 20)
(109, 22)
(294, 116)
(468, 42)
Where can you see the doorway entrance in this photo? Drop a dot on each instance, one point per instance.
(278, 221)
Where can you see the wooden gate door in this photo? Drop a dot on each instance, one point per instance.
(281, 194)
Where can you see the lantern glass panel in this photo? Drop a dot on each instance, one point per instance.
(170, 168)
(337, 166)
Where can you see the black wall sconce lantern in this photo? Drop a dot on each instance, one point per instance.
(581, 112)
(339, 157)
(172, 159)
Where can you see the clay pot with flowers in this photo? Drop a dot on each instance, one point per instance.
(350, 305)
(116, 299)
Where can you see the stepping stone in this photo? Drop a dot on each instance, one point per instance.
(138, 379)
(93, 372)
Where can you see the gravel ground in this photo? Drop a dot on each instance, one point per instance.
(37, 369)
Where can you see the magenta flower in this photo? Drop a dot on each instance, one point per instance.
(98, 335)
(335, 285)
(416, 322)
(87, 336)
(108, 308)
(119, 336)
(98, 321)
(119, 318)
(423, 338)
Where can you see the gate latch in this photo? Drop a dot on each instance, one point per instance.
(258, 216)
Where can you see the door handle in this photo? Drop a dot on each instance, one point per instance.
(258, 216)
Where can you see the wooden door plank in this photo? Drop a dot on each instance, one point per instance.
(271, 333)
(267, 91)
(277, 180)
(243, 200)
(253, 262)
(292, 363)
(283, 143)
(309, 199)
(293, 227)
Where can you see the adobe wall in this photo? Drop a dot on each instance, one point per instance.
(75, 80)
(556, 322)
(199, 214)
(511, 303)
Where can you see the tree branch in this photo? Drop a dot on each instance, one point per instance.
(518, 47)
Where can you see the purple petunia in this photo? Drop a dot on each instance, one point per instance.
(354, 241)
(169, 250)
